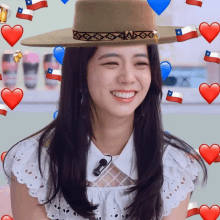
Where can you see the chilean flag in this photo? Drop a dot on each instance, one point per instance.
(192, 209)
(3, 109)
(174, 96)
(25, 14)
(186, 33)
(194, 2)
(36, 4)
(212, 57)
(54, 74)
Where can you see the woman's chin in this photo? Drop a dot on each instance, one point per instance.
(123, 113)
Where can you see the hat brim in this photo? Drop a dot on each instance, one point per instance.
(64, 37)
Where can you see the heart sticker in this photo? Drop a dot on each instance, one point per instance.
(209, 153)
(209, 32)
(12, 35)
(55, 114)
(158, 5)
(58, 53)
(12, 99)
(165, 67)
(209, 213)
(209, 93)
(6, 217)
(3, 155)
(64, 1)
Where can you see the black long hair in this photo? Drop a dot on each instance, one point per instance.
(69, 143)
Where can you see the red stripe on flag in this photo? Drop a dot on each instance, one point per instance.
(38, 5)
(184, 37)
(192, 212)
(174, 99)
(56, 77)
(3, 112)
(23, 16)
(194, 2)
(0, 77)
(212, 59)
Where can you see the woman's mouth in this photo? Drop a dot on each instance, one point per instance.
(125, 97)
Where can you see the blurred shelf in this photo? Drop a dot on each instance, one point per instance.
(193, 102)
(191, 96)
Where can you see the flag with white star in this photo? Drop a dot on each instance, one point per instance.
(186, 33)
(174, 96)
(54, 74)
(36, 4)
(213, 57)
(23, 13)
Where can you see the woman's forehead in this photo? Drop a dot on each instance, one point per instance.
(132, 49)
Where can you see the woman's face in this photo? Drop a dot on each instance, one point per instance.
(116, 68)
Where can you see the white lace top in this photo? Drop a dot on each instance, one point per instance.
(107, 190)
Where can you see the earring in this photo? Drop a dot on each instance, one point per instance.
(81, 98)
(142, 110)
(82, 108)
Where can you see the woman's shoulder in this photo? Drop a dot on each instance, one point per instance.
(22, 160)
(181, 159)
(181, 174)
(28, 146)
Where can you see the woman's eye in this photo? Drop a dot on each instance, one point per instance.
(110, 63)
(143, 63)
(117, 63)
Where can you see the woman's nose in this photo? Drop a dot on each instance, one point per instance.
(127, 76)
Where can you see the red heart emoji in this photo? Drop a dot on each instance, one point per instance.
(209, 32)
(6, 217)
(10, 98)
(209, 93)
(12, 35)
(209, 213)
(209, 153)
(3, 155)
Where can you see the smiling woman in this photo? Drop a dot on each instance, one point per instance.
(106, 155)
(115, 73)
(147, 171)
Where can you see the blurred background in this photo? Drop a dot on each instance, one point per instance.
(194, 121)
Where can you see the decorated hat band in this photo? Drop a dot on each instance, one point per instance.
(115, 36)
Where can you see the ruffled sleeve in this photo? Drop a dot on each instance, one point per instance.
(181, 175)
(22, 160)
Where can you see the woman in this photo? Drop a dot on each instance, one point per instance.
(105, 157)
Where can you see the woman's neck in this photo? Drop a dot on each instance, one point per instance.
(112, 136)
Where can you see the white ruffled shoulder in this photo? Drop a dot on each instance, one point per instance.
(180, 172)
(22, 160)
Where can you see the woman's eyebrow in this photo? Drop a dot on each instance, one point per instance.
(117, 55)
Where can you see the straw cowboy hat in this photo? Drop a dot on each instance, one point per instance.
(108, 22)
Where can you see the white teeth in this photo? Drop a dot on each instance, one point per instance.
(124, 94)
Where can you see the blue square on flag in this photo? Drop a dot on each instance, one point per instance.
(20, 10)
(178, 32)
(169, 93)
(28, 2)
(50, 70)
(207, 53)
